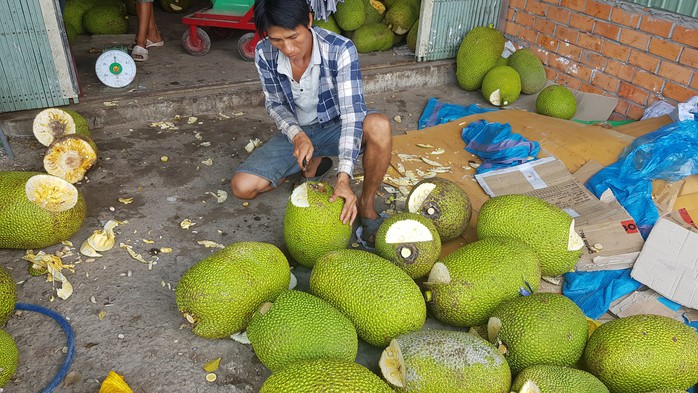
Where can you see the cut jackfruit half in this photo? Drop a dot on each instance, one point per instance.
(418, 196)
(51, 193)
(408, 231)
(70, 157)
(52, 123)
(575, 241)
(392, 365)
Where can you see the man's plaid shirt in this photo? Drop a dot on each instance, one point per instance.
(341, 92)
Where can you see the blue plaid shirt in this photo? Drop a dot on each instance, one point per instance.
(341, 92)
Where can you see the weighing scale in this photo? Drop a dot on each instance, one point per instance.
(115, 67)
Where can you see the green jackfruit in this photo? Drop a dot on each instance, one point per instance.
(542, 328)
(478, 53)
(410, 241)
(312, 226)
(444, 203)
(467, 284)
(38, 210)
(350, 14)
(379, 298)
(502, 61)
(401, 16)
(74, 11)
(374, 11)
(530, 69)
(300, 326)
(8, 295)
(501, 86)
(373, 37)
(545, 227)
(556, 101)
(442, 361)
(559, 379)
(412, 36)
(642, 353)
(324, 376)
(9, 357)
(219, 294)
(329, 24)
(71, 33)
(105, 19)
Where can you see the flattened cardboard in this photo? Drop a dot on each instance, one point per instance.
(668, 263)
(647, 302)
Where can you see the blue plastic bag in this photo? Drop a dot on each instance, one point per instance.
(670, 153)
(440, 112)
(497, 145)
(594, 292)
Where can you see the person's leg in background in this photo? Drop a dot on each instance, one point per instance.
(148, 34)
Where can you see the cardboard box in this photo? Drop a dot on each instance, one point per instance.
(668, 263)
(647, 301)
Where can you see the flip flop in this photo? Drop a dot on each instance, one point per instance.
(369, 228)
(139, 53)
(150, 44)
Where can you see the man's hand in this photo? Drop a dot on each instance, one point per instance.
(302, 149)
(344, 191)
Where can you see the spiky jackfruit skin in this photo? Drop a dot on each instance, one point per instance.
(300, 326)
(422, 254)
(443, 361)
(81, 125)
(542, 328)
(543, 226)
(24, 225)
(374, 10)
(559, 379)
(71, 33)
(478, 53)
(9, 357)
(530, 69)
(484, 274)
(310, 232)
(642, 353)
(221, 292)
(501, 86)
(447, 206)
(379, 298)
(373, 37)
(324, 376)
(74, 11)
(8, 295)
(556, 101)
(105, 19)
(402, 15)
(412, 36)
(329, 24)
(350, 14)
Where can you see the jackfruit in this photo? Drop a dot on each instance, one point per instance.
(558, 379)
(374, 11)
(70, 157)
(642, 353)
(38, 210)
(8, 296)
(324, 376)
(467, 284)
(9, 357)
(350, 14)
(219, 294)
(175, 6)
(542, 328)
(105, 19)
(501, 86)
(545, 227)
(52, 123)
(373, 37)
(444, 203)
(300, 326)
(530, 69)
(412, 36)
(402, 15)
(329, 24)
(71, 33)
(556, 101)
(442, 361)
(410, 241)
(478, 53)
(312, 226)
(381, 300)
(74, 11)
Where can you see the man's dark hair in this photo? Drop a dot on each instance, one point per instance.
(287, 14)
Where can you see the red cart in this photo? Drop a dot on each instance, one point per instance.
(225, 14)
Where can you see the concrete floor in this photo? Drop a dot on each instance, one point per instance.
(142, 334)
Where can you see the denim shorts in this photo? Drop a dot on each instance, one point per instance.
(144, 1)
(274, 160)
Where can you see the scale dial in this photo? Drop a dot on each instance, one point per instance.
(115, 68)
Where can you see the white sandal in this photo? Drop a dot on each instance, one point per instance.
(150, 44)
(139, 53)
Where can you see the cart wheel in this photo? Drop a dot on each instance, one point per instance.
(196, 46)
(246, 46)
(221, 33)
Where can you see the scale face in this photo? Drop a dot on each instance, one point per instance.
(115, 68)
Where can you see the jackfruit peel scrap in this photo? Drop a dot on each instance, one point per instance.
(220, 195)
(392, 365)
(53, 265)
(114, 383)
(240, 337)
(212, 365)
(210, 244)
(133, 254)
(529, 387)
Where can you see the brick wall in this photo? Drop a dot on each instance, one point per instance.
(612, 48)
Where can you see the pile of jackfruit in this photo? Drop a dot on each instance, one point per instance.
(375, 25)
